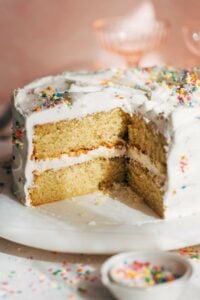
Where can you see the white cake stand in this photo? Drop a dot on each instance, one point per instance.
(96, 223)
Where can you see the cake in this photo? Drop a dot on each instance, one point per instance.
(79, 132)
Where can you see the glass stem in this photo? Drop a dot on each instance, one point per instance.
(133, 60)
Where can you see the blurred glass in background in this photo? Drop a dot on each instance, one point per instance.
(41, 37)
(191, 36)
(130, 39)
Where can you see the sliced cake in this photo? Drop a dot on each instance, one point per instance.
(76, 133)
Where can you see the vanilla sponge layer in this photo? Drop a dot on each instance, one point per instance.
(52, 185)
(76, 136)
(146, 184)
(57, 176)
(144, 136)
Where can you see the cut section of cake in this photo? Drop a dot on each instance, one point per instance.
(79, 132)
(147, 162)
(74, 136)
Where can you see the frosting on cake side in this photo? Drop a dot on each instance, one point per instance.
(167, 97)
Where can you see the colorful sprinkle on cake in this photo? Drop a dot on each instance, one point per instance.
(49, 97)
(17, 137)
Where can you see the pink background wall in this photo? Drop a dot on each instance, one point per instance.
(40, 37)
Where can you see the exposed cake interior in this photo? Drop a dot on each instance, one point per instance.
(75, 136)
(77, 131)
(147, 162)
(76, 180)
(144, 157)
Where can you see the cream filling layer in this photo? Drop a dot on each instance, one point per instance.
(101, 152)
(65, 160)
(144, 160)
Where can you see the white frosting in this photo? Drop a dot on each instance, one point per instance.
(38, 166)
(65, 160)
(143, 159)
(182, 194)
(133, 90)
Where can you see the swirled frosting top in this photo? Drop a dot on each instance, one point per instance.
(161, 89)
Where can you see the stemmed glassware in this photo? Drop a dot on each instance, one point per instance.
(191, 36)
(125, 37)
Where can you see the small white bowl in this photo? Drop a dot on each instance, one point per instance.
(165, 291)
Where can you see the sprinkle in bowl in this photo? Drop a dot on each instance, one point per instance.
(146, 276)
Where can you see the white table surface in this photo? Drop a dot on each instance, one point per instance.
(27, 273)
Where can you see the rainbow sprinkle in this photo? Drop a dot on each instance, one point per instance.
(183, 163)
(141, 274)
(50, 97)
(174, 192)
(183, 83)
(190, 252)
(17, 136)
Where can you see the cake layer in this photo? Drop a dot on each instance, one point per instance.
(147, 139)
(66, 160)
(76, 180)
(134, 154)
(163, 134)
(147, 185)
(76, 136)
